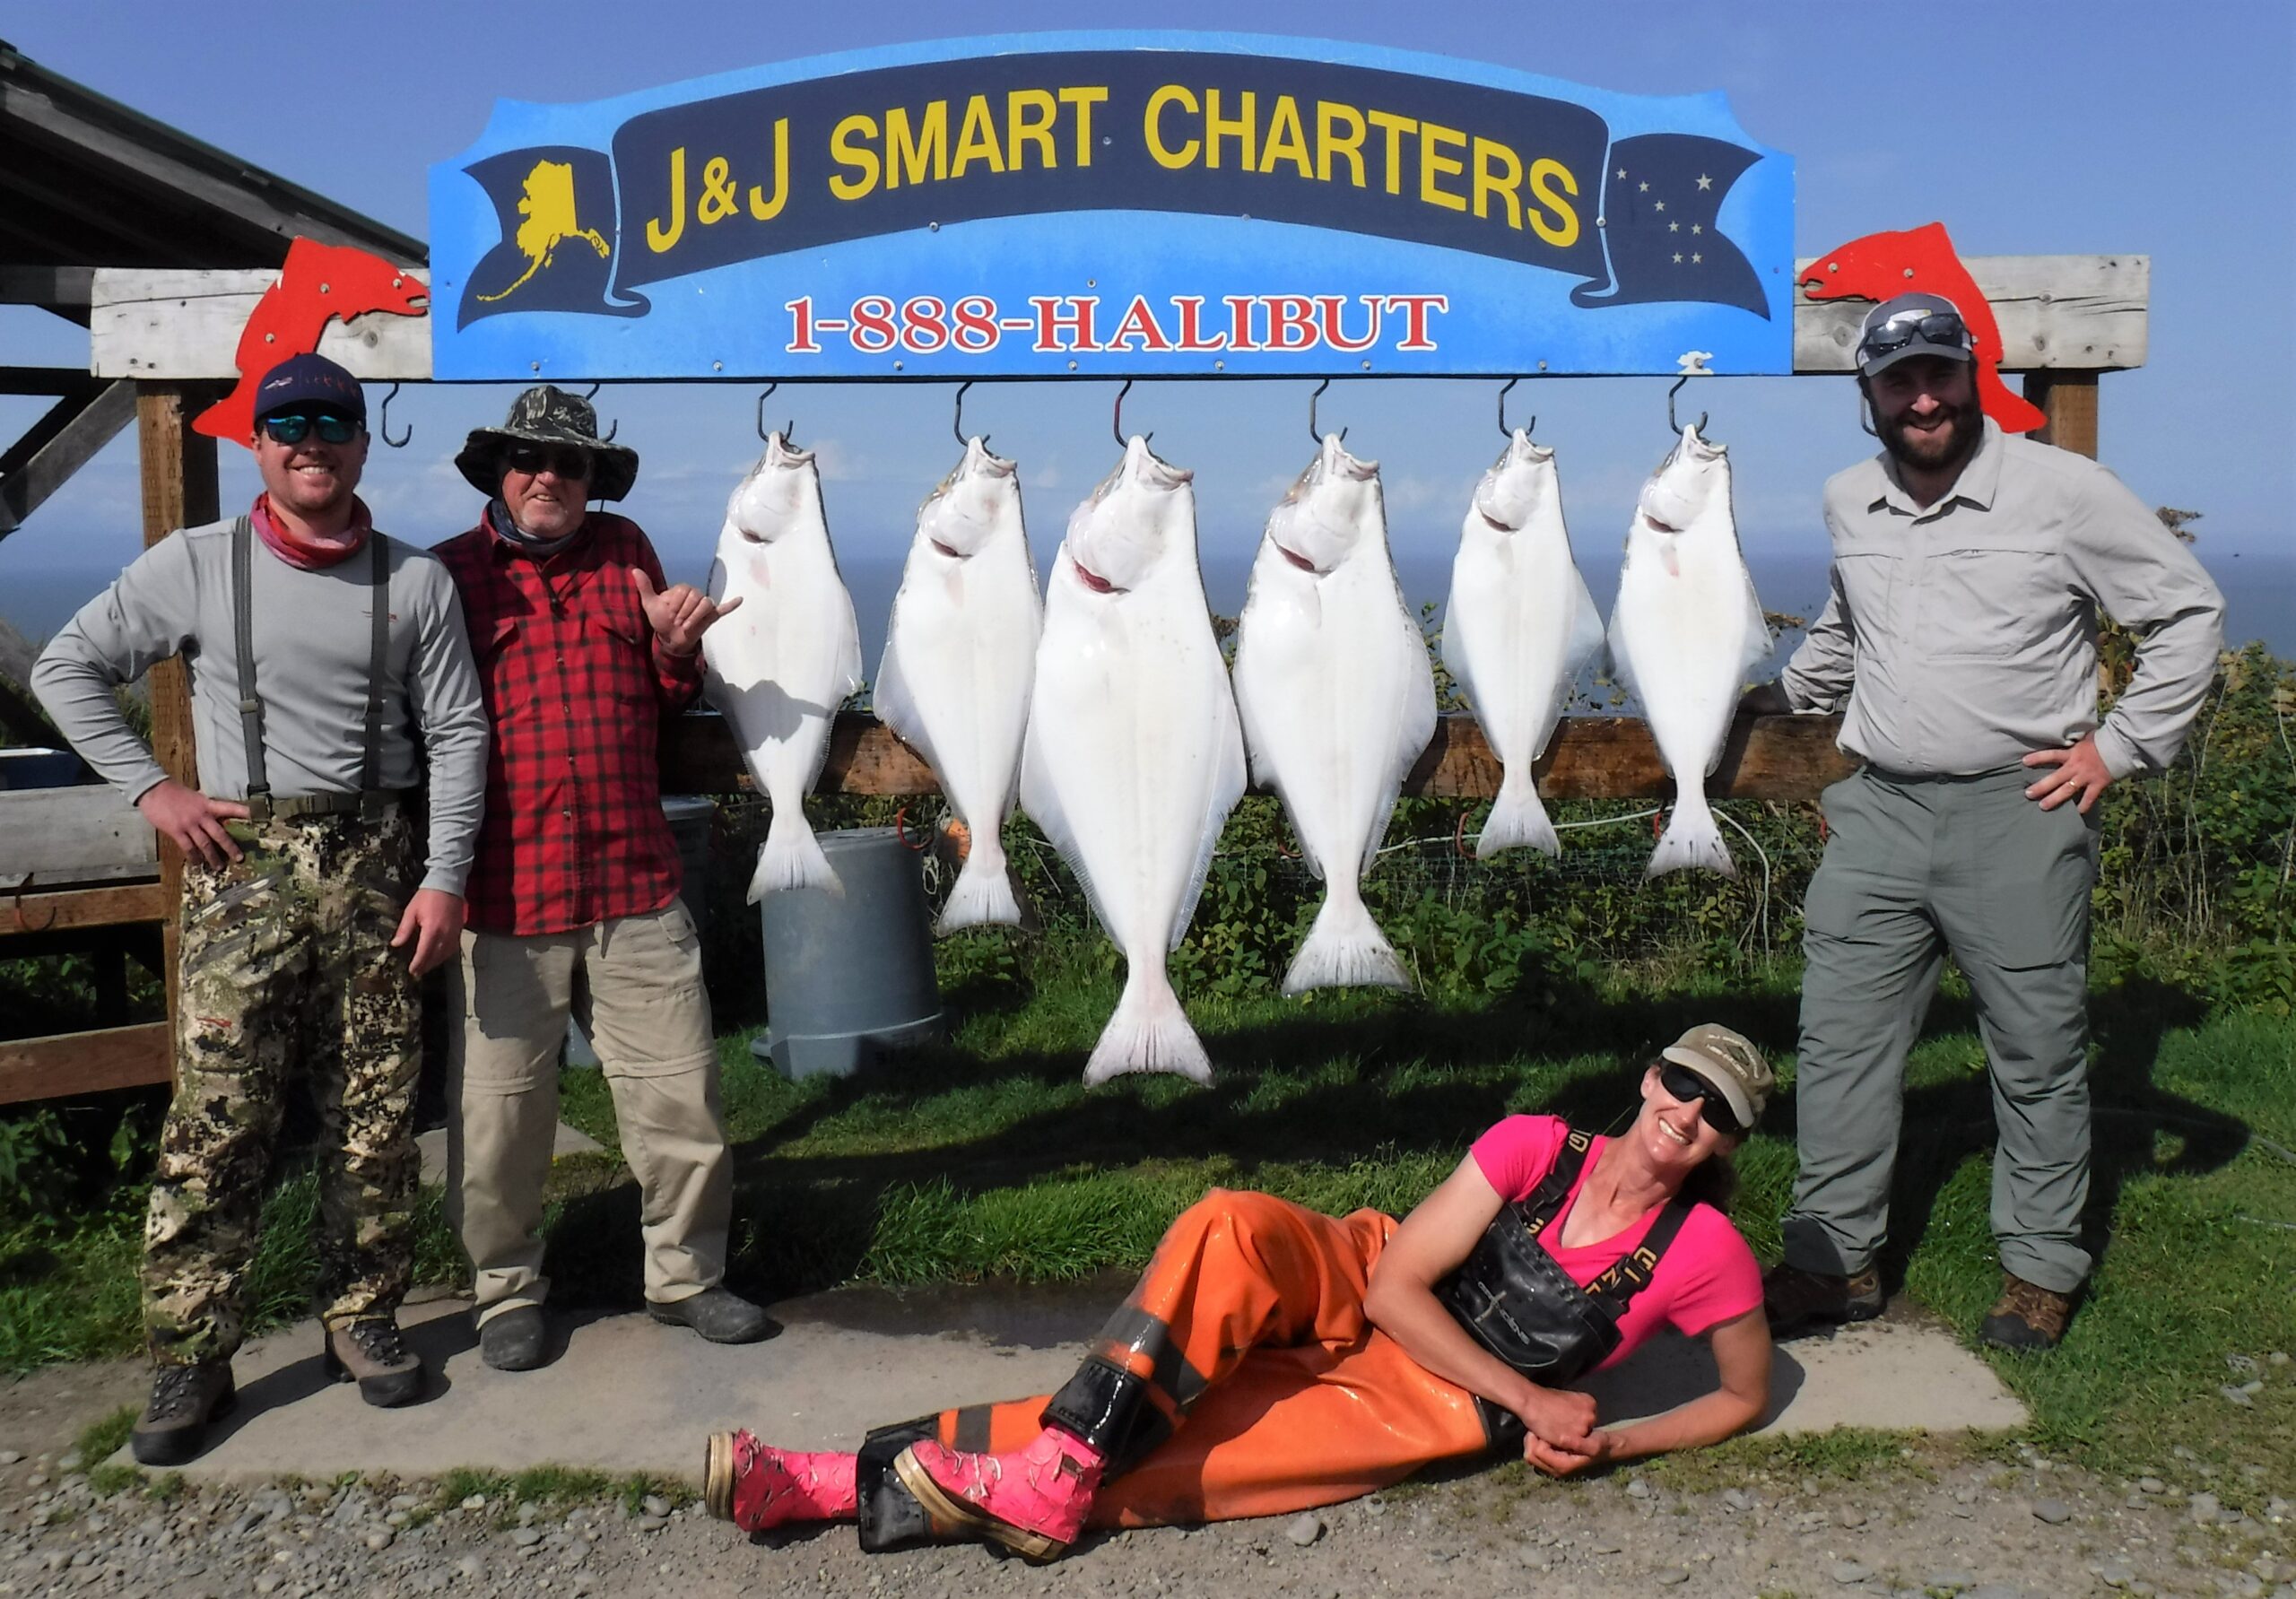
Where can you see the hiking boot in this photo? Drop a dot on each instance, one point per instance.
(1032, 1501)
(185, 1399)
(1795, 1301)
(758, 1486)
(719, 1313)
(513, 1339)
(2026, 1317)
(371, 1351)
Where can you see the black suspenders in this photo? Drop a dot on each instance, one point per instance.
(370, 800)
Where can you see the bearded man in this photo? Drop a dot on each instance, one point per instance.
(1959, 640)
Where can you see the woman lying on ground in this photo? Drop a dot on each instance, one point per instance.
(1273, 1359)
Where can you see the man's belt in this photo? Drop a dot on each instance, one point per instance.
(371, 806)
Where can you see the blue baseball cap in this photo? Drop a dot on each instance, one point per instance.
(306, 380)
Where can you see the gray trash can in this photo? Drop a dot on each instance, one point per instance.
(849, 977)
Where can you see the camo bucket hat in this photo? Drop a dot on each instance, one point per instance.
(547, 414)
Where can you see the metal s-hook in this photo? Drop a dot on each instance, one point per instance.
(1116, 419)
(1313, 432)
(1504, 430)
(1672, 426)
(958, 425)
(787, 427)
(383, 424)
(606, 437)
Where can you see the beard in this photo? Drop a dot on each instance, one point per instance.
(1934, 455)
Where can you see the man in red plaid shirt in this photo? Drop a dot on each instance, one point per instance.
(582, 650)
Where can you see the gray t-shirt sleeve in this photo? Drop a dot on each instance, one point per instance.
(1825, 666)
(145, 618)
(443, 689)
(2144, 578)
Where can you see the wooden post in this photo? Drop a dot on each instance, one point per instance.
(2070, 398)
(179, 490)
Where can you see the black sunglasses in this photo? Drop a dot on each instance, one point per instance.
(1686, 1087)
(293, 427)
(1937, 327)
(569, 462)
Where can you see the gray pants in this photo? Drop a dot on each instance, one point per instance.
(1915, 867)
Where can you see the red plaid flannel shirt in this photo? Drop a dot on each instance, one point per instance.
(577, 686)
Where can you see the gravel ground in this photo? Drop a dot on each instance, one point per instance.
(1987, 1530)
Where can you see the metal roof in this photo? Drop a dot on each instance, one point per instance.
(84, 181)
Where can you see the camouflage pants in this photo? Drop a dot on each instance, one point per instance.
(289, 984)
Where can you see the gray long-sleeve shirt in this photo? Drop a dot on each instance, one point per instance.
(1963, 637)
(311, 641)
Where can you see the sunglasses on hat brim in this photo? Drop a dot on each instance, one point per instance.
(1936, 327)
(293, 427)
(1685, 1087)
(568, 461)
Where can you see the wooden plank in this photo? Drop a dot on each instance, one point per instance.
(46, 380)
(85, 1063)
(1767, 757)
(180, 490)
(2070, 399)
(61, 910)
(80, 429)
(2082, 313)
(48, 286)
(72, 835)
(185, 325)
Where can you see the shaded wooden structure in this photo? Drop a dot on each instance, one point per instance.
(88, 184)
(162, 246)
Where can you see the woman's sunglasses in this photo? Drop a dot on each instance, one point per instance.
(293, 427)
(533, 459)
(1687, 1087)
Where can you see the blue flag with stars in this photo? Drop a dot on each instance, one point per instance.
(1661, 195)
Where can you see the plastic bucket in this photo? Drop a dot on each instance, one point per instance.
(849, 977)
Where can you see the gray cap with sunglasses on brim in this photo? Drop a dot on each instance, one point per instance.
(1714, 1055)
(1912, 310)
(548, 415)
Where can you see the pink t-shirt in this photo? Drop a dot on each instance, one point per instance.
(1707, 1276)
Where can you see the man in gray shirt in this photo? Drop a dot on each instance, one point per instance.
(318, 651)
(1960, 641)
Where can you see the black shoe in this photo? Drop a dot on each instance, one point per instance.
(1795, 1301)
(371, 1351)
(719, 1315)
(185, 1399)
(513, 1339)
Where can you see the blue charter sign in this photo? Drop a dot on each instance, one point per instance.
(1111, 204)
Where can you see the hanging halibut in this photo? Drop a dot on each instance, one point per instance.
(1133, 759)
(959, 659)
(1686, 627)
(1518, 629)
(780, 666)
(1338, 700)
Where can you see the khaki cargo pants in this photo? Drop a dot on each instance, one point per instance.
(289, 984)
(634, 983)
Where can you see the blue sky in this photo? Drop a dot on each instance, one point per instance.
(2043, 127)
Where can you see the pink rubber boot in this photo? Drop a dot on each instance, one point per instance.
(758, 1486)
(1032, 1501)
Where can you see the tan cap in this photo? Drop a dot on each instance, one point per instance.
(1731, 1063)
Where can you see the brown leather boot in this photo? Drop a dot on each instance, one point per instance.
(371, 1351)
(1795, 1301)
(2027, 1317)
(185, 1399)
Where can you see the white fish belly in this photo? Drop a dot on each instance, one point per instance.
(1338, 700)
(1683, 637)
(782, 664)
(963, 645)
(1509, 635)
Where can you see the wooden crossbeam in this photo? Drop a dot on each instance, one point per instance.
(68, 437)
(84, 1063)
(1767, 757)
(65, 911)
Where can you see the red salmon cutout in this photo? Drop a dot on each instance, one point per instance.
(317, 282)
(1922, 260)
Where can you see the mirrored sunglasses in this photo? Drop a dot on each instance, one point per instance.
(568, 462)
(1685, 1087)
(1933, 327)
(293, 427)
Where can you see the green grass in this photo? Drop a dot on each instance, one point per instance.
(986, 1158)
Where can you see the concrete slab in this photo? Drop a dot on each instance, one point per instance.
(628, 1394)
